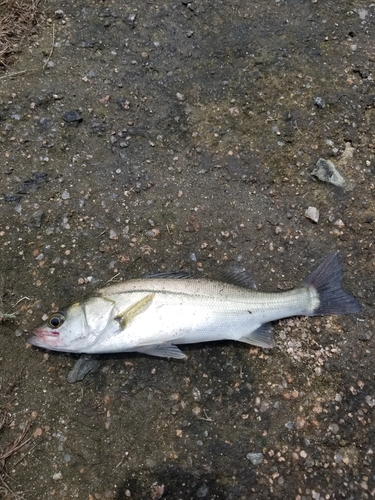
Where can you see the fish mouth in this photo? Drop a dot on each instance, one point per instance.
(48, 339)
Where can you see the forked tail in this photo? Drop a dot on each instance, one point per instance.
(327, 281)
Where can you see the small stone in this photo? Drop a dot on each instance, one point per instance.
(339, 223)
(196, 394)
(362, 13)
(326, 171)
(365, 336)
(65, 195)
(334, 428)
(300, 422)
(180, 97)
(157, 491)
(370, 401)
(35, 220)
(255, 458)
(72, 116)
(312, 213)
(131, 19)
(319, 102)
(264, 406)
(81, 368)
(202, 491)
(153, 233)
(113, 235)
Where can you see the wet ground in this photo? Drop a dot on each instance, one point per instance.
(138, 136)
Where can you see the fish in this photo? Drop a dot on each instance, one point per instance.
(154, 314)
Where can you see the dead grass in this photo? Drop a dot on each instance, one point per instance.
(10, 453)
(17, 20)
(16, 439)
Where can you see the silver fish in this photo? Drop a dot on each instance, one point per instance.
(153, 314)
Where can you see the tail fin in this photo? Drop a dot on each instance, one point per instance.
(327, 281)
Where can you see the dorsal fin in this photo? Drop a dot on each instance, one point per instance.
(236, 276)
(168, 275)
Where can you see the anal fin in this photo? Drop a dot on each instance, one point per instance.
(261, 337)
(163, 351)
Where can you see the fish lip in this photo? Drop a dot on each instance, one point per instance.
(41, 338)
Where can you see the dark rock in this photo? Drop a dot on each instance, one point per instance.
(36, 219)
(29, 185)
(72, 116)
(10, 198)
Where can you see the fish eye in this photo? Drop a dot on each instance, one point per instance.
(56, 319)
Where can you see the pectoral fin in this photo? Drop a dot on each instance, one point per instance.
(125, 317)
(261, 337)
(163, 351)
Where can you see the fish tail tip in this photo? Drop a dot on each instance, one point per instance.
(327, 281)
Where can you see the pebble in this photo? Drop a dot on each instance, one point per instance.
(264, 406)
(65, 195)
(255, 458)
(82, 367)
(319, 102)
(202, 491)
(29, 185)
(339, 223)
(35, 220)
(196, 394)
(370, 401)
(157, 491)
(312, 213)
(365, 335)
(153, 233)
(8, 198)
(326, 171)
(334, 428)
(59, 14)
(72, 116)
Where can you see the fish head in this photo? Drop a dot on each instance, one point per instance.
(65, 330)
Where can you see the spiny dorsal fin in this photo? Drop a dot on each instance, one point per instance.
(236, 276)
(167, 275)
